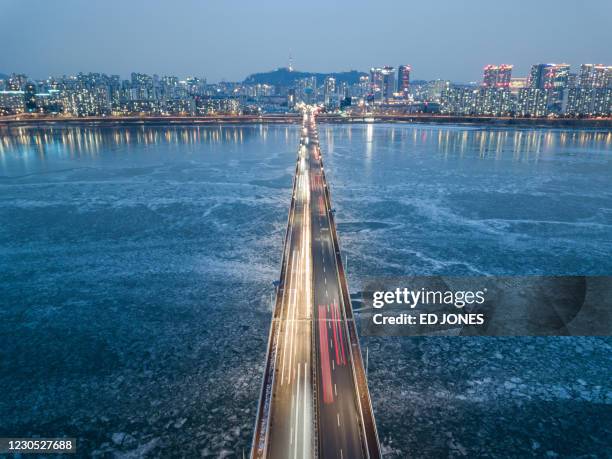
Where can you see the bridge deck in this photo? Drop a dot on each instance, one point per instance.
(315, 400)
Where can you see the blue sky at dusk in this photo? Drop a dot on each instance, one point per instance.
(230, 39)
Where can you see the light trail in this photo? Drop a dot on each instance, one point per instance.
(308, 417)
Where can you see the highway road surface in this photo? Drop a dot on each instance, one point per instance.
(338, 416)
(315, 401)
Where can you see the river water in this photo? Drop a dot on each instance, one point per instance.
(136, 267)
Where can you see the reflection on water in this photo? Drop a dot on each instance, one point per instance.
(450, 140)
(488, 142)
(90, 141)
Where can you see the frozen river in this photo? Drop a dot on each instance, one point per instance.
(136, 268)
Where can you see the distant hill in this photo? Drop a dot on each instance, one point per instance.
(3, 76)
(284, 77)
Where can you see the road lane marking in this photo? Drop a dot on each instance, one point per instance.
(324, 361)
(304, 442)
(297, 390)
(338, 417)
(292, 312)
(289, 302)
(293, 408)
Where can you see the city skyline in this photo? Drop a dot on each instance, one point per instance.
(415, 75)
(488, 70)
(211, 40)
(550, 89)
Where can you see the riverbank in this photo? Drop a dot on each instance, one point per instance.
(574, 123)
(39, 121)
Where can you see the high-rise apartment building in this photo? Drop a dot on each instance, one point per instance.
(552, 78)
(497, 76)
(435, 89)
(403, 79)
(29, 97)
(549, 76)
(594, 76)
(382, 82)
(329, 90)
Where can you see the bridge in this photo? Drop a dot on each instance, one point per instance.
(314, 399)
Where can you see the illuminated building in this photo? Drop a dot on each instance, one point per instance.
(49, 102)
(142, 87)
(29, 98)
(602, 102)
(329, 91)
(593, 95)
(553, 78)
(17, 82)
(306, 89)
(594, 76)
(178, 107)
(11, 102)
(536, 76)
(376, 80)
(572, 81)
(388, 87)
(497, 76)
(534, 102)
(403, 79)
(382, 80)
(549, 76)
(217, 105)
(480, 101)
(291, 98)
(360, 89)
(516, 84)
(458, 101)
(495, 102)
(589, 102)
(435, 89)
